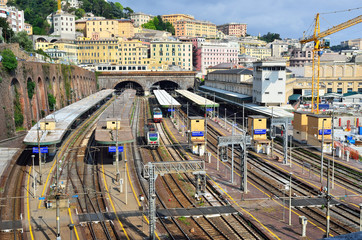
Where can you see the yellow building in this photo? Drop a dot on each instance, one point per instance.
(133, 52)
(108, 28)
(195, 28)
(28, 28)
(173, 53)
(173, 18)
(98, 51)
(259, 52)
(60, 51)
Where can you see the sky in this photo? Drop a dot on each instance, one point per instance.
(289, 18)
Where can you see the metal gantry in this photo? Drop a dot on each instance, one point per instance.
(243, 140)
(153, 169)
(284, 122)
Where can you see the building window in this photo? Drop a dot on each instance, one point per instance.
(349, 90)
(266, 79)
(266, 92)
(280, 92)
(339, 90)
(280, 78)
(329, 90)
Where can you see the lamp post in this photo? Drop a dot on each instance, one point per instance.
(33, 156)
(232, 152)
(71, 227)
(322, 150)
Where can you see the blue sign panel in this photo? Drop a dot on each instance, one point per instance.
(153, 135)
(42, 150)
(326, 132)
(42, 198)
(209, 109)
(113, 149)
(260, 131)
(197, 134)
(171, 110)
(74, 196)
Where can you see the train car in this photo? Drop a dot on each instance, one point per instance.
(152, 136)
(157, 115)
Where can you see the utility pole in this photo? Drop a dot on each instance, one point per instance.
(290, 150)
(332, 147)
(232, 151)
(290, 199)
(37, 127)
(125, 174)
(117, 153)
(272, 137)
(57, 196)
(225, 118)
(214, 107)
(243, 116)
(328, 198)
(321, 178)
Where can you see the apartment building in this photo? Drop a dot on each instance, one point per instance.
(353, 43)
(60, 51)
(109, 28)
(14, 17)
(103, 51)
(3, 3)
(299, 57)
(64, 25)
(173, 53)
(140, 18)
(173, 18)
(133, 52)
(233, 29)
(28, 28)
(259, 53)
(208, 54)
(269, 82)
(195, 28)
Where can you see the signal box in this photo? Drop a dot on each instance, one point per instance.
(197, 135)
(316, 124)
(257, 131)
(300, 126)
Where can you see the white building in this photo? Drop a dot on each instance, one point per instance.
(14, 17)
(72, 3)
(269, 82)
(64, 25)
(140, 18)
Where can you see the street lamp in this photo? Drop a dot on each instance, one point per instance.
(290, 198)
(33, 156)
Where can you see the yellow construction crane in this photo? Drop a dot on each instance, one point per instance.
(59, 6)
(319, 45)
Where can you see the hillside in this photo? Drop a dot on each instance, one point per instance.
(36, 11)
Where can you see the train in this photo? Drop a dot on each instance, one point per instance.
(157, 115)
(151, 134)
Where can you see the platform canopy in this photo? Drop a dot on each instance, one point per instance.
(201, 101)
(166, 100)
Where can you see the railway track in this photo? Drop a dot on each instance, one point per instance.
(227, 227)
(12, 194)
(272, 180)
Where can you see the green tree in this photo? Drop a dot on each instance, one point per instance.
(270, 37)
(9, 61)
(158, 24)
(7, 31)
(24, 41)
(79, 12)
(51, 100)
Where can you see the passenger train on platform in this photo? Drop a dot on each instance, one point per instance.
(151, 135)
(157, 115)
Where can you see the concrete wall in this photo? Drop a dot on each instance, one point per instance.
(66, 83)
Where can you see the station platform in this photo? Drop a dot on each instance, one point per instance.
(62, 120)
(116, 116)
(162, 213)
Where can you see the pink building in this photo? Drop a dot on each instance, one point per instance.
(206, 54)
(233, 29)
